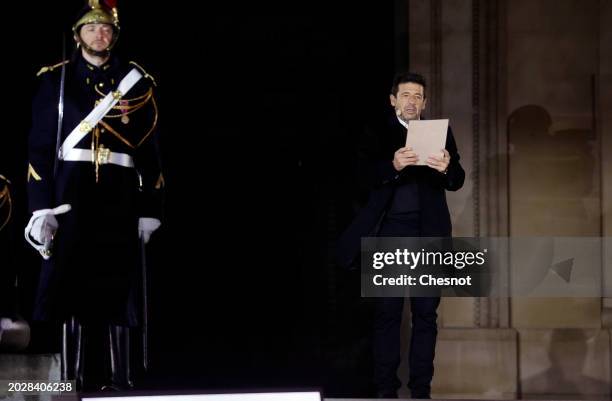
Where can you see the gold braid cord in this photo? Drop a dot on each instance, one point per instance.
(5, 198)
(124, 110)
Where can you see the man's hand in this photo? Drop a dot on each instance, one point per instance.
(404, 157)
(439, 163)
(43, 229)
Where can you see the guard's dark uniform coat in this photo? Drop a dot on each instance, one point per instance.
(93, 271)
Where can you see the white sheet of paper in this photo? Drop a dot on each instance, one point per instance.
(427, 138)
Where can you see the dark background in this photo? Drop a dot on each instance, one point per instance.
(259, 103)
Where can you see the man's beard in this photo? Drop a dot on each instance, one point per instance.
(96, 53)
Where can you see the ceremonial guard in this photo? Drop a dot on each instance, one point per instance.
(94, 185)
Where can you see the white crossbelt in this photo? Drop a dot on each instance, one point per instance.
(86, 155)
(95, 116)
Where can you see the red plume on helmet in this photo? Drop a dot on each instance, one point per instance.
(111, 3)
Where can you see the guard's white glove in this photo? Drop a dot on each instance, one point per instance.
(42, 228)
(146, 227)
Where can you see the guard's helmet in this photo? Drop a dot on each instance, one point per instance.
(98, 12)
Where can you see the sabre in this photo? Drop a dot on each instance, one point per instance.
(145, 307)
(60, 107)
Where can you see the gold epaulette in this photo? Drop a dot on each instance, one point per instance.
(51, 67)
(145, 74)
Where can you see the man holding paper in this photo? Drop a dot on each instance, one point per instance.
(405, 165)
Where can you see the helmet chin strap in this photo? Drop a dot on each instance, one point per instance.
(103, 53)
(92, 52)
